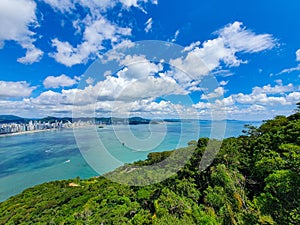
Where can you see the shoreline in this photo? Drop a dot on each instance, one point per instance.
(26, 132)
(38, 131)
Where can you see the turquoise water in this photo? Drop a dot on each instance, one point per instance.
(30, 159)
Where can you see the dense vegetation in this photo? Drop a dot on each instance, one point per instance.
(253, 180)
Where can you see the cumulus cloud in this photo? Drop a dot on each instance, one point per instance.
(94, 28)
(15, 89)
(137, 66)
(277, 89)
(95, 33)
(293, 97)
(33, 54)
(59, 81)
(218, 92)
(232, 39)
(128, 90)
(192, 46)
(259, 99)
(16, 19)
(119, 95)
(259, 104)
(191, 65)
(48, 98)
(267, 95)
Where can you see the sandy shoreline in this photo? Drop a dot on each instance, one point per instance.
(26, 132)
(38, 131)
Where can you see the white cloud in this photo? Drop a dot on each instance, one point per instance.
(138, 67)
(218, 92)
(293, 69)
(263, 102)
(277, 89)
(229, 101)
(129, 3)
(94, 6)
(191, 65)
(16, 16)
(121, 96)
(222, 73)
(257, 108)
(259, 99)
(113, 89)
(33, 54)
(237, 37)
(202, 105)
(232, 39)
(290, 70)
(298, 55)
(148, 25)
(16, 19)
(90, 80)
(48, 98)
(214, 51)
(224, 83)
(59, 81)
(94, 28)
(192, 46)
(175, 36)
(268, 95)
(294, 97)
(95, 33)
(61, 5)
(15, 89)
(120, 88)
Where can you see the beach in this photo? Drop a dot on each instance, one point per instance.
(26, 132)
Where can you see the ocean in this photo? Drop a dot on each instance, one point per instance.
(30, 159)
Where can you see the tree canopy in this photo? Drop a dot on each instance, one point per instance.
(254, 179)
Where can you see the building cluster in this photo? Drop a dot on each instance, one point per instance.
(34, 126)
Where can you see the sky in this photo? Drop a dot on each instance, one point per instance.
(54, 58)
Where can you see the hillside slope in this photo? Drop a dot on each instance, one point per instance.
(253, 180)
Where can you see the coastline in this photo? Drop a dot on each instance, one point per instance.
(26, 132)
(38, 131)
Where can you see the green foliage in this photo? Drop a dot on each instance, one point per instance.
(254, 179)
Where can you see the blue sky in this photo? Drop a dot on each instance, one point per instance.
(251, 48)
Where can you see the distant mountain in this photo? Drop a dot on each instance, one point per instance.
(103, 120)
(51, 119)
(11, 119)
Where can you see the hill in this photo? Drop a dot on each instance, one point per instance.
(51, 119)
(10, 119)
(254, 179)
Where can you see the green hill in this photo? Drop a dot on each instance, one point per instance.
(10, 119)
(254, 179)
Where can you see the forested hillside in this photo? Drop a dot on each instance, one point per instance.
(253, 180)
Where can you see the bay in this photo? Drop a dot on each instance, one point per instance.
(30, 159)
